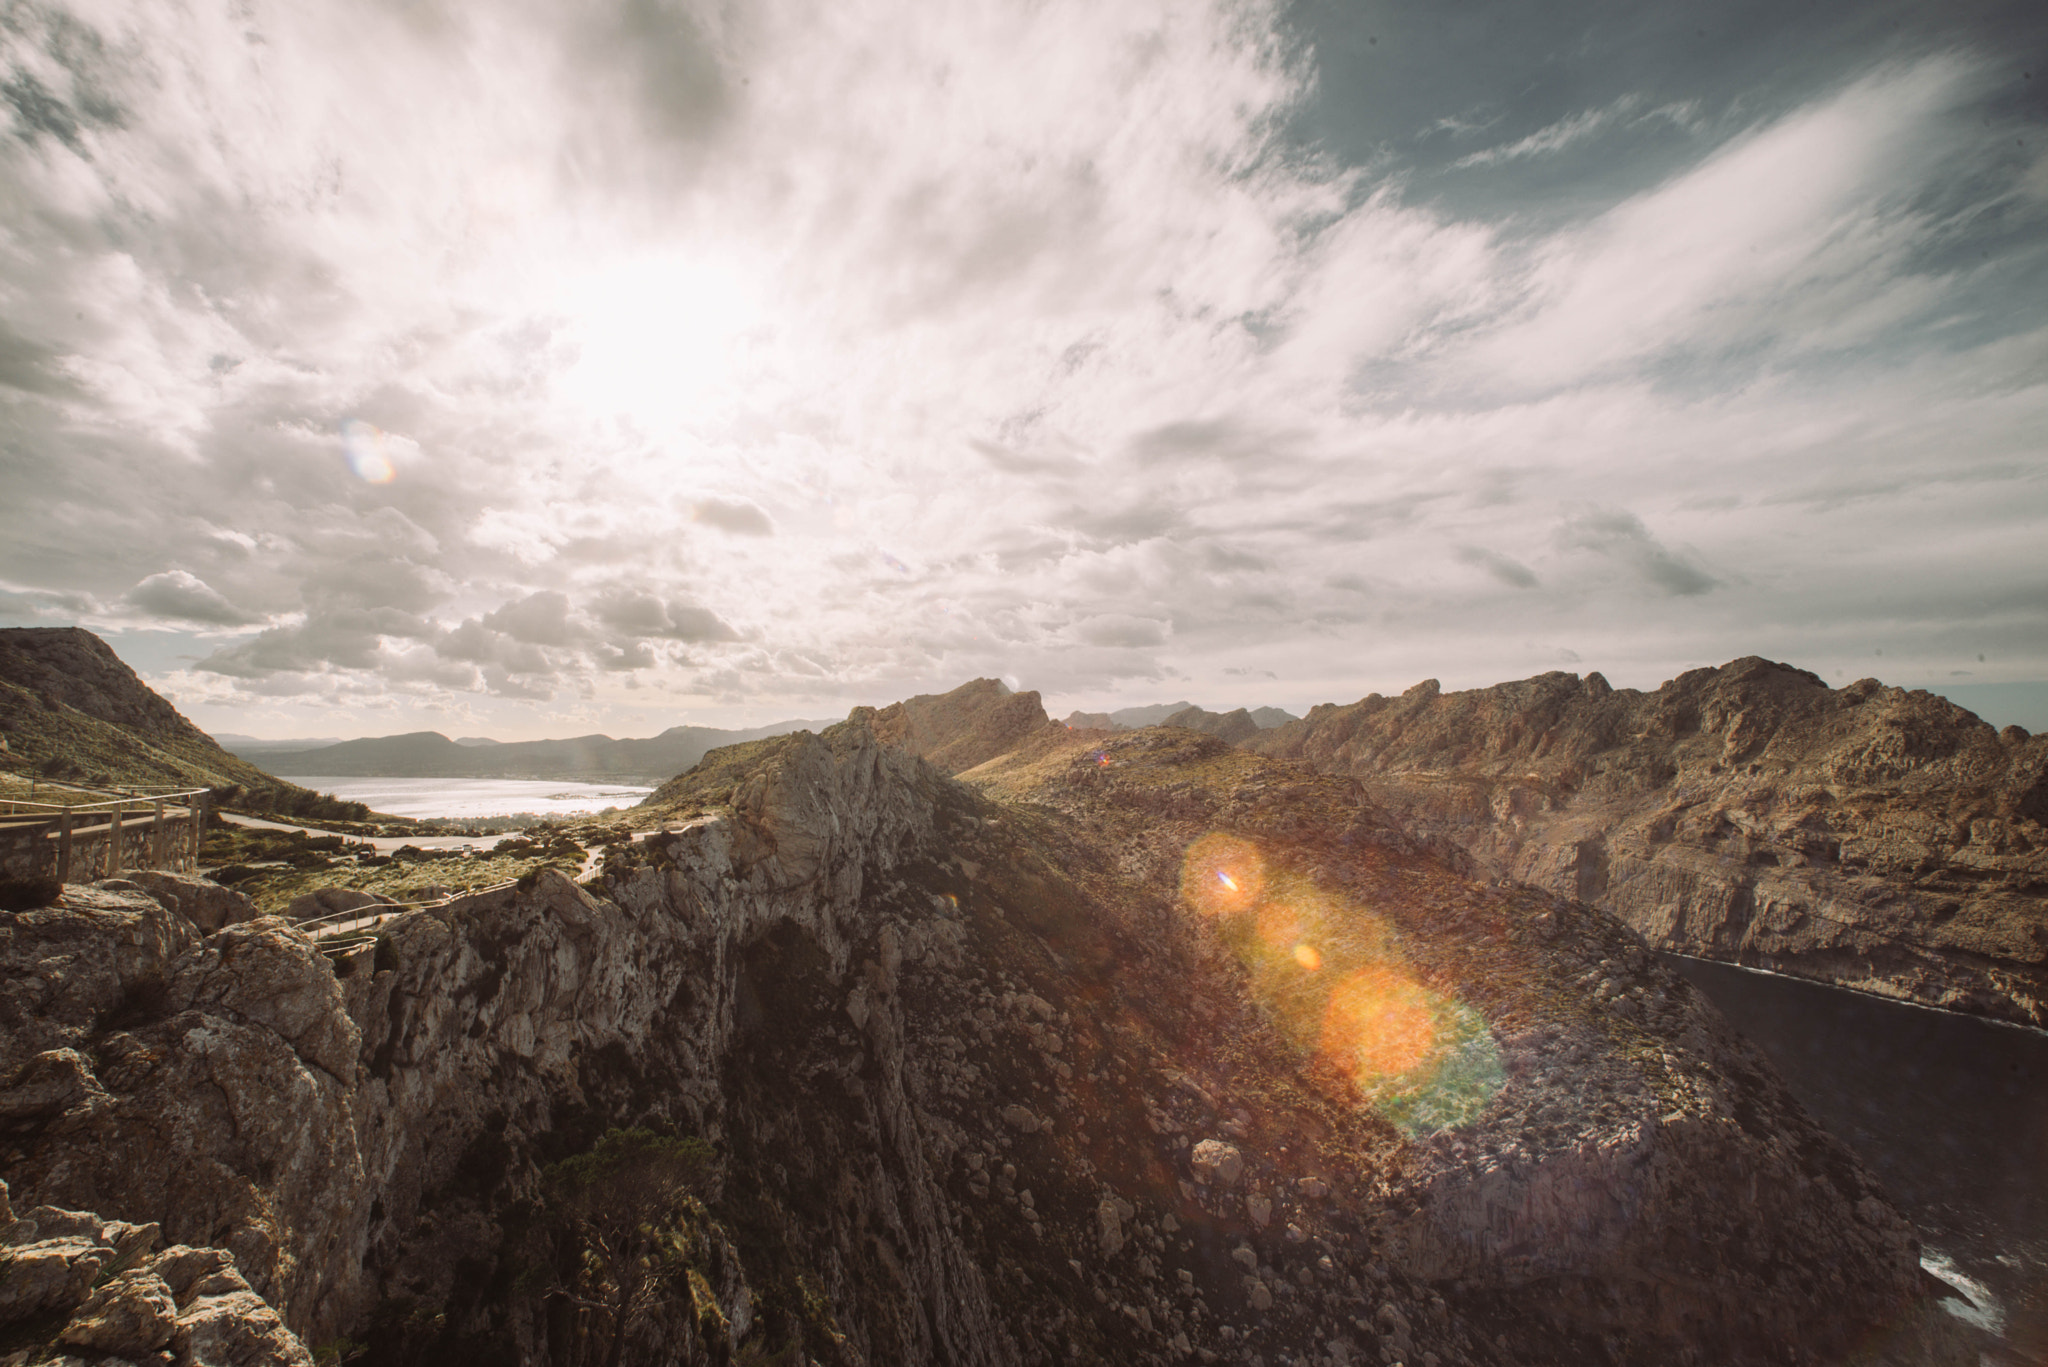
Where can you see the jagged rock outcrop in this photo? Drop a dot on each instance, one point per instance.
(72, 1284)
(990, 1080)
(1866, 836)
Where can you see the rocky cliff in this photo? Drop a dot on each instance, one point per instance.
(1140, 1051)
(1866, 836)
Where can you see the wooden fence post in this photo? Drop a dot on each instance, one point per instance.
(112, 863)
(64, 846)
(159, 838)
(198, 828)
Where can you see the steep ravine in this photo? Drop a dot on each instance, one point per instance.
(1865, 836)
(984, 1087)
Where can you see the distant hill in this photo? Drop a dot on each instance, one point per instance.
(1176, 714)
(248, 747)
(429, 754)
(70, 709)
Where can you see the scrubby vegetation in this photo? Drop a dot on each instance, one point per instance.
(274, 867)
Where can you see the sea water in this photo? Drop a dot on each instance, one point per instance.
(466, 799)
(1949, 1111)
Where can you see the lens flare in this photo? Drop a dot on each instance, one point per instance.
(1281, 925)
(1333, 977)
(1222, 875)
(368, 452)
(1378, 1024)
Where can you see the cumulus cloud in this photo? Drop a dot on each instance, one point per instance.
(177, 596)
(732, 515)
(636, 615)
(541, 618)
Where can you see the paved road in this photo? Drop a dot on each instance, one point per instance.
(384, 844)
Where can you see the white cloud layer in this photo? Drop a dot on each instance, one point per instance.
(634, 362)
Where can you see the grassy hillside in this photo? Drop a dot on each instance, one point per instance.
(71, 710)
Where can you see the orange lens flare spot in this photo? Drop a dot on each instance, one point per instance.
(1378, 1024)
(1308, 956)
(1280, 926)
(1221, 874)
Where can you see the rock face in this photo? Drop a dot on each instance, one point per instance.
(1130, 1052)
(1866, 836)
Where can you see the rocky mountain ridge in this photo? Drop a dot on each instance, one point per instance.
(429, 754)
(1872, 837)
(992, 1076)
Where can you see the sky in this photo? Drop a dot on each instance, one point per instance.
(536, 368)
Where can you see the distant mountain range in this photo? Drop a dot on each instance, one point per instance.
(1159, 713)
(429, 754)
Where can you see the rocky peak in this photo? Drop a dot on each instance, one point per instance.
(956, 731)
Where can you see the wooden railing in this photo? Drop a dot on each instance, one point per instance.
(342, 931)
(80, 841)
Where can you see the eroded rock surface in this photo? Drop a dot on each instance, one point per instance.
(1866, 836)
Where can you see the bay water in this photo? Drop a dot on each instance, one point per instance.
(466, 799)
(1949, 1111)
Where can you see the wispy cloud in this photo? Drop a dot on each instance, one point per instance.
(1630, 111)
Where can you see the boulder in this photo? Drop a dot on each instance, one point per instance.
(203, 902)
(1216, 1163)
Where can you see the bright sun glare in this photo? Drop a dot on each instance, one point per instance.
(659, 336)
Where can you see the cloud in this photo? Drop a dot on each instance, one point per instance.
(1568, 132)
(1506, 569)
(1050, 345)
(1622, 537)
(1121, 631)
(636, 615)
(176, 596)
(540, 618)
(732, 515)
(1556, 137)
(1796, 236)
